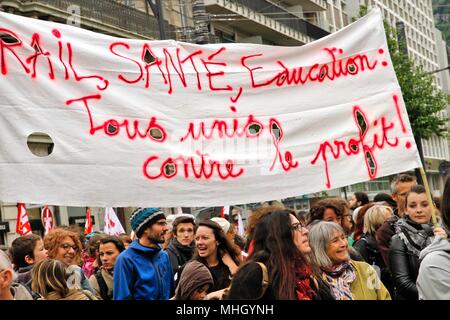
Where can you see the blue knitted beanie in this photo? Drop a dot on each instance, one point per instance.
(143, 215)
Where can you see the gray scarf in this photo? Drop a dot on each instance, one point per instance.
(415, 236)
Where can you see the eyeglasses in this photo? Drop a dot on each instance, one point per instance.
(67, 247)
(299, 226)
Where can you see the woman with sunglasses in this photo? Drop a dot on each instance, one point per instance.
(64, 245)
(281, 245)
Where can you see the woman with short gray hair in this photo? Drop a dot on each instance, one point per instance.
(348, 279)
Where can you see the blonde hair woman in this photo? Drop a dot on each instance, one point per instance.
(50, 280)
(367, 245)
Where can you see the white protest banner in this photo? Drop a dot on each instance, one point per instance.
(170, 124)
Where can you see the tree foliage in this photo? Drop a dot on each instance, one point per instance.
(441, 10)
(422, 98)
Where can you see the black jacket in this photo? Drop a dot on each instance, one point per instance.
(404, 264)
(368, 248)
(179, 254)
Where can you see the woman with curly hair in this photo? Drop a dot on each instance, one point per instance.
(64, 245)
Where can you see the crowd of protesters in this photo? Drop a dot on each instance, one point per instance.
(387, 248)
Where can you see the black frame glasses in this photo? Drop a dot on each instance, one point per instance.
(298, 226)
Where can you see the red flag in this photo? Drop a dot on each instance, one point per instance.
(47, 219)
(23, 226)
(225, 212)
(88, 224)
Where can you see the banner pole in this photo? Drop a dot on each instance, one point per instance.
(430, 199)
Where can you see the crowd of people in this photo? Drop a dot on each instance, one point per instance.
(387, 248)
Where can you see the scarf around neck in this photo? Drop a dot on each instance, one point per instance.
(414, 235)
(303, 276)
(340, 278)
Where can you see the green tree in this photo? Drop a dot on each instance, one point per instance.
(441, 10)
(422, 98)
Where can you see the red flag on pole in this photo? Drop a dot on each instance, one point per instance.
(47, 219)
(23, 226)
(88, 224)
(225, 212)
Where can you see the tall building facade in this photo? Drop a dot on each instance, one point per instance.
(286, 22)
(121, 18)
(423, 48)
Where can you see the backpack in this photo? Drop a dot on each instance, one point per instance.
(372, 257)
(102, 285)
(177, 273)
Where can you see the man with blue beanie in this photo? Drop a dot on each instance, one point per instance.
(143, 271)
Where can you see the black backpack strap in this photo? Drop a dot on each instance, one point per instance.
(102, 285)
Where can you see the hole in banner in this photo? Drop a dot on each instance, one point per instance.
(362, 122)
(40, 144)
(148, 57)
(7, 38)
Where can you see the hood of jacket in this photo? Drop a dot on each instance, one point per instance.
(186, 251)
(136, 246)
(19, 292)
(439, 244)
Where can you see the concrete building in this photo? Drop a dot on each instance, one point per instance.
(424, 48)
(127, 19)
(286, 22)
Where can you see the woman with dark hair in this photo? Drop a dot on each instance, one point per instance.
(325, 210)
(252, 221)
(281, 245)
(90, 253)
(215, 250)
(414, 232)
(102, 281)
(433, 282)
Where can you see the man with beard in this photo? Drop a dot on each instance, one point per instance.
(182, 245)
(143, 271)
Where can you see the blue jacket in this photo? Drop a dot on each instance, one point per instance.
(143, 273)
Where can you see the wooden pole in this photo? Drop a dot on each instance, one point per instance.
(430, 199)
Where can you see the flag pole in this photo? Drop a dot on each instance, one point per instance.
(430, 199)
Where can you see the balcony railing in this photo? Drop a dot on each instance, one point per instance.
(273, 11)
(111, 13)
